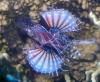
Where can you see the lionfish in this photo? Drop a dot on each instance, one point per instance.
(51, 41)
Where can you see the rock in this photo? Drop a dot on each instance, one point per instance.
(4, 6)
(67, 78)
(4, 22)
(34, 7)
(16, 7)
(41, 78)
(48, 3)
(4, 55)
(85, 14)
(87, 50)
(44, 7)
(85, 4)
(37, 2)
(33, 14)
(97, 36)
(98, 9)
(79, 1)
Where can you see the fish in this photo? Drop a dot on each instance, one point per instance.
(52, 41)
(48, 58)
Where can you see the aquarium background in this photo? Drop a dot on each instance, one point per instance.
(14, 67)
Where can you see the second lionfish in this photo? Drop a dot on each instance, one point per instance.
(51, 41)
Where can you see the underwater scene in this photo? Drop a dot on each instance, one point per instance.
(49, 40)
